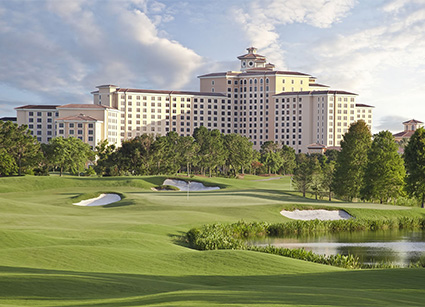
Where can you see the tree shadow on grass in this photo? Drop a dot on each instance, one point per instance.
(121, 203)
(179, 239)
(402, 287)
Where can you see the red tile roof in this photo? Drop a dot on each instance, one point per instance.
(318, 85)
(84, 106)
(80, 117)
(106, 85)
(254, 72)
(404, 134)
(361, 105)
(413, 121)
(328, 92)
(37, 107)
(170, 92)
(251, 56)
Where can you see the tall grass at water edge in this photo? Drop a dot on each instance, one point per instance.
(233, 236)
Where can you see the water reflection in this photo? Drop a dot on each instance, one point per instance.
(396, 246)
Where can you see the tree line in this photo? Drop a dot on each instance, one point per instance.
(206, 152)
(366, 168)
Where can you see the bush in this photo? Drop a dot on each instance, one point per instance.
(41, 171)
(90, 171)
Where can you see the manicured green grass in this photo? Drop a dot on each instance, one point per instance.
(129, 253)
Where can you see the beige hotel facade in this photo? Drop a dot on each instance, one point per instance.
(257, 101)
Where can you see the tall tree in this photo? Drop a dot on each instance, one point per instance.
(136, 155)
(270, 156)
(69, 154)
(239, 152)
(307, 170)
(103, 152)
(211, 148)
(414, 158)
(7, 163)
(328, 170)
(384, 175)
(187, 150)
(352, 161)
(20, 145)
(288, 159)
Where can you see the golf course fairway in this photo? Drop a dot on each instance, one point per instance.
(130, 253)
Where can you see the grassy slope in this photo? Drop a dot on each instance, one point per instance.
(56, 254)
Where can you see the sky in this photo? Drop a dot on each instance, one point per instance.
(58, 51)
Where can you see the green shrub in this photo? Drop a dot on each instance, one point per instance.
(90, 171)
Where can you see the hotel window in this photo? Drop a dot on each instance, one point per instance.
(90, 132)
(212, 82)
(38, 126)
(30, 113)
(80, 131)
(39, 120)
(38, 113)
(71, 131)
(71, 125)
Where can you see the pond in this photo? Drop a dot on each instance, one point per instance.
(400, 247)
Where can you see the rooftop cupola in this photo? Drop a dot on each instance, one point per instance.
(252, 60)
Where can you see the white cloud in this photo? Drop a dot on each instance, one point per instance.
(62, 49)
(381, 62)
(259, 20)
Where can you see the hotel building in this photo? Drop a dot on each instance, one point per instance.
(257, 101)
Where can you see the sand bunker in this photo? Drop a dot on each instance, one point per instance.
(191, 186)
(316, 214)
(102, 200)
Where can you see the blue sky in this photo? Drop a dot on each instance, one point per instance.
(57, 51)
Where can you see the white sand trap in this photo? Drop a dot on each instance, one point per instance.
(102, 200)
(320, 214)
(192, 186)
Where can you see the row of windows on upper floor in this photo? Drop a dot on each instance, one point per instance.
(245, 89)
(72, 132)
(72, 125)
(260, 89)
(167, 98)
(188, 111)
(39, 120)
(188, 106)
(255, 81)
(229, 125)
(195, 119)
(331, 98)
(50, 114)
